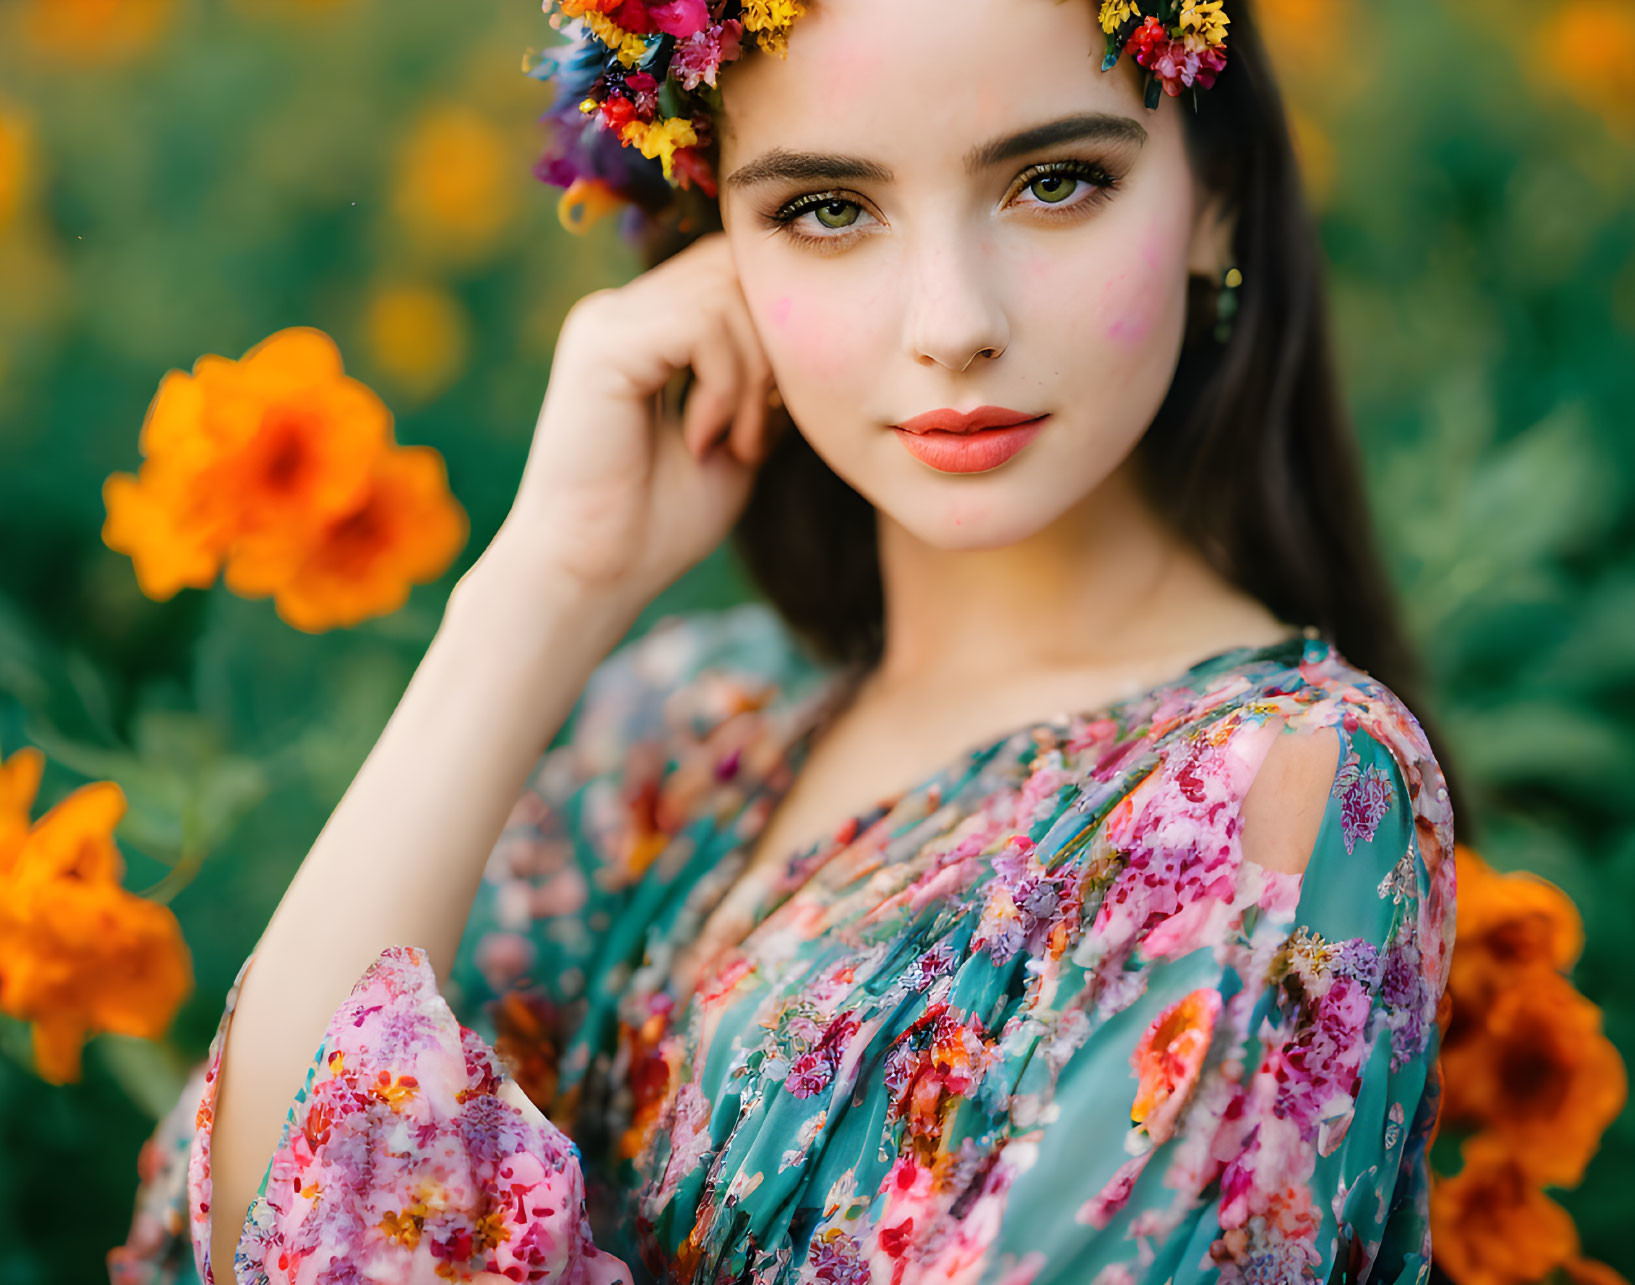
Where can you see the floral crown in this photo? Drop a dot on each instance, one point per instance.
(636, 84)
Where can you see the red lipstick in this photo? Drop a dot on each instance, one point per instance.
(969, 441)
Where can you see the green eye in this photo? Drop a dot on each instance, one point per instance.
(838, 208)
(1053, 188)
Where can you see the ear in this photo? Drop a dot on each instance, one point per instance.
(1210, 252)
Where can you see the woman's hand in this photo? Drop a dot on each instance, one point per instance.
(620, 494)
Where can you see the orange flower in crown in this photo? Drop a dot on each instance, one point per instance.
(637, 84)
(78, 953)
(282, 469)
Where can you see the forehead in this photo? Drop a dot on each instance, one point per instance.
(899, 76)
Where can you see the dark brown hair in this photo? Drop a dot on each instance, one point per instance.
(1253, 444)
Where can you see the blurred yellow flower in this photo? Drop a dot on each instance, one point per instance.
(78, 953)
(282, 468)
(1303, 30)
(1323, 50)
(95, 32)
(1315, 154)
(419, 336)
(16, 163)
(1588, 50)
(457, 182)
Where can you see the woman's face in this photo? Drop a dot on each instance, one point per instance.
(886, 232)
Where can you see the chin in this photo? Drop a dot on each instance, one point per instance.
(973, 512)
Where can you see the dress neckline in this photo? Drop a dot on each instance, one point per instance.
(835, 689)
(756, 894)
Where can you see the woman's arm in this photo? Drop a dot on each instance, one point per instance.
(618, 497)
(400, 859)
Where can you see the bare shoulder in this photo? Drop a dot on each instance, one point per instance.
(1283, 811)
(1343, 724)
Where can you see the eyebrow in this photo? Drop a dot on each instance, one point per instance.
(780, 165)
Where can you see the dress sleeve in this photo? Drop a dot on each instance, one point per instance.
(1325, 1144)
(531, 917)
(406, 1155)
(1261, 1106)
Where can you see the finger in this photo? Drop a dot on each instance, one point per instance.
(715, 389)
(747, 436)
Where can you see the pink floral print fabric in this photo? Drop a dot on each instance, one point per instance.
(1035, 1020)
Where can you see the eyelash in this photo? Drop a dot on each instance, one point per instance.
(1103, 185)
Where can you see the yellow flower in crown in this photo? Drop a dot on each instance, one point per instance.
(770, 20)
(1115, 13)
(637, 83)
(1203, 25)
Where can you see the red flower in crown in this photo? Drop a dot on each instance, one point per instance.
(1170, 60)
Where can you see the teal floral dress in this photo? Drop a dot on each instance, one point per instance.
(1032, 1020)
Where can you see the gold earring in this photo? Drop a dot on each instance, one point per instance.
(1226, 303)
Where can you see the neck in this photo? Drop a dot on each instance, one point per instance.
(1109, 584)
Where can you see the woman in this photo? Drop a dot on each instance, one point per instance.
(1045, 886)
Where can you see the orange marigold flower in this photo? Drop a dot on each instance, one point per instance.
(279, 444)
(282, 468)
(19, 782)
(1492, 1226)
(78, 953)
(1508, 924)
(1540, 1077)
(171, 543)
(407, 530)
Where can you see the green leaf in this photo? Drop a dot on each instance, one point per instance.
(151, 1073)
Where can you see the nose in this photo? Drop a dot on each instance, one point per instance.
(956, 309)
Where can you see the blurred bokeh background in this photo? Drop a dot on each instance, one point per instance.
(186, 177)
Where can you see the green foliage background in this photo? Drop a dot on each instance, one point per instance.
(237, 177)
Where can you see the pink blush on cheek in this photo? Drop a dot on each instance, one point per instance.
(1129, 330)
(824, 348)
(1132, 300)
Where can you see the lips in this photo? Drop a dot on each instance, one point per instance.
(974, 452)
(973, 421)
